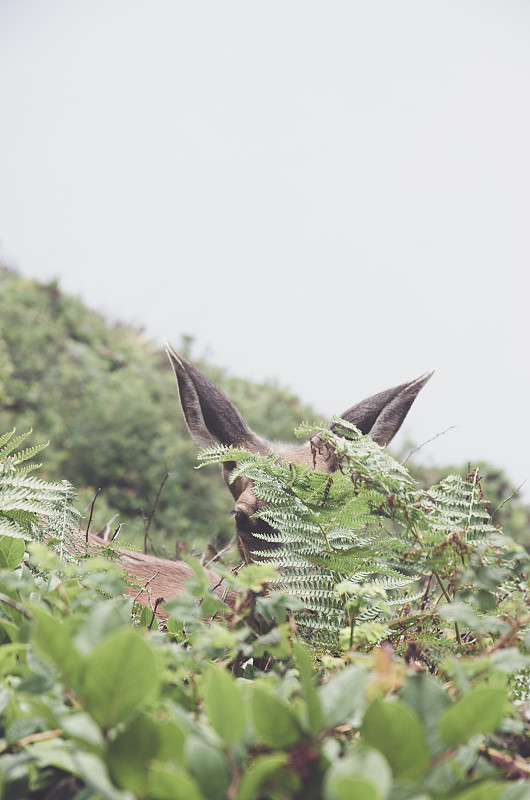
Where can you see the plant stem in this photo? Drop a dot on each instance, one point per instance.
(449, 600)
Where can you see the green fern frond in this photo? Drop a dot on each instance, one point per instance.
(8, 444)
(366, 523)
(5, 437)
(32, 508)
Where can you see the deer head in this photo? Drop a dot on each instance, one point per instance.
(211, 416)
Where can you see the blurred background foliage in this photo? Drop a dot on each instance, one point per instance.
(105, 396)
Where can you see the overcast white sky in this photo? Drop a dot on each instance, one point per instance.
(334, 194)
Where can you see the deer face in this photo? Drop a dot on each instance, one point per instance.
(211, 416)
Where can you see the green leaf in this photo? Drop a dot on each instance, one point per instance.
(428, 699)
(81, 728)
(363, 775)
(119, 676)
(141, 743)
(208, 766)
(343, 696)
(479, 711)
(53, 638)
(11, 552)
(485, 790)
(224, 705)
(509, 660)
(315, 716)
(257, 773)
(130, 754)
(462, 613)
(273, 721)
(516, 791)
(169, 782)
(93, 770)
(54, 753)
(393, 728)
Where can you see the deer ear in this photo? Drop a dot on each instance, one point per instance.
(209, 414)
(381, 416)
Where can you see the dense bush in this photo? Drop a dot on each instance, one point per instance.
(229, 703)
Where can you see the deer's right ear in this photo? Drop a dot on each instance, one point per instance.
(381, 416)
(209, 414)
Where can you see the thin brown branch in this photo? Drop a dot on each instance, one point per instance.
(507, 499)
(91, 512)
(146, 584)
(155, 504)
(4, 598)
(33, 737)
(428, 441)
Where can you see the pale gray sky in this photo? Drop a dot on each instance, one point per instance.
(335, 194)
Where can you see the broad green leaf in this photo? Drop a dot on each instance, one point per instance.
(208, 766)
(120, 675)
(168, 782)
(54, 753)
(509, 660)
(102, 620)
(516, 791)
(315, 716)
(479, 711)
(346, 787)
(392, 727)
(273, 721)
(93, 771)
(11, 552)
(460, 612)
(53, 638)
(257, 773)
(130, 754)
(8, 630)
(140, 744)
(147, 618)
(485, 790)
(343, 696)
(363, 775)
(224, 705)
(81, 728)
(428, 699)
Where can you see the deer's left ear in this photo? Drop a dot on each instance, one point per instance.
(209, 414)
(382, 415)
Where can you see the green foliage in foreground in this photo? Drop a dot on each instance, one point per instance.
(93, 707)
(230, 704)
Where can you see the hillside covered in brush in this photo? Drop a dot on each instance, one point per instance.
(105, 397)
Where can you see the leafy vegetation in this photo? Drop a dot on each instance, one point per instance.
(365, 544)
(229, 703)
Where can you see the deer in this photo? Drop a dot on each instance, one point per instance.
(211, 417)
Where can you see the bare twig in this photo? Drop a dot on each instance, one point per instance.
(4, 598)
(513, 766)
(415, 450)
(91, 512)
(151, 515)
(117, 531)
(33, 737)
(158, 602)
(146, 584)
(515, 491)
(218, 555)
